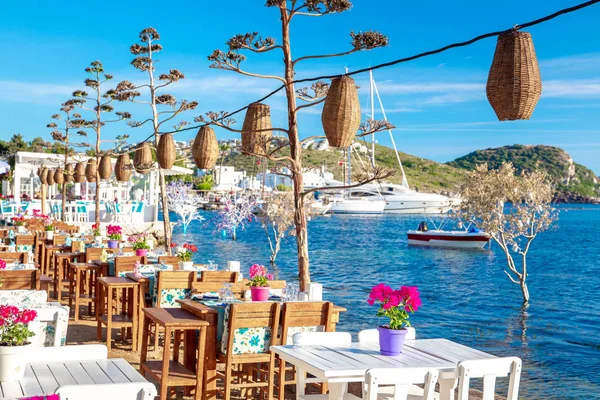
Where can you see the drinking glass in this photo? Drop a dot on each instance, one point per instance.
(289, 292)
(212, 266)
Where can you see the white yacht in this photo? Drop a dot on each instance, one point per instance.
(357, 202)
(400, 199)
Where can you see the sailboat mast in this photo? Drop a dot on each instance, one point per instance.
(372, 95)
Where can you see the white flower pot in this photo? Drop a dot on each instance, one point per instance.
(49, 235)
(186, 265)
(21, 229)
(12, 362)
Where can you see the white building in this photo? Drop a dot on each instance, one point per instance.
(228, 176)
(312, 178)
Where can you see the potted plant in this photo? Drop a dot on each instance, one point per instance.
(395, 305)
(49, 228)
(19, 222)
(259, 282)
(97, 233)
(114, 233)
(13, 341)
(140, 245)
(184, 254)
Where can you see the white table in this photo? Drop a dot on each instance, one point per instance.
(89, 380)
(338, 366)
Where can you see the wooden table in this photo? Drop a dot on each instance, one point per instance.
(338, 365)
(61, 281)
(90, 379)
(211, 316)
(109, 288)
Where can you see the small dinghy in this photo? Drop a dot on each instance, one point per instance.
(469, 238)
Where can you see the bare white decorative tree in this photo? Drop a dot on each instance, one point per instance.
(235, 215)
(512, 209)
(183, 201)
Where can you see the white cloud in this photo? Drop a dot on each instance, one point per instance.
(34, 92)
(571, 88)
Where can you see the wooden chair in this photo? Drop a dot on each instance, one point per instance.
(401, 380)
(489, 370)
(301, 317)
(220, 276)
(20, 279)
(57, 240)
(125, 264)
(93, 253)
(261, 322)
(169, 260)
(9, 256)
(339, 339)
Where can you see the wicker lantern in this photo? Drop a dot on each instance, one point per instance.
(69, 171)
(79, 175)
(105, 167)
(44, 176)
(50, 177)
(39, 172)
(514, 84)
(205, 149)
(256, 131)
(165, 152)
(142, 161)
(341, 112)
(123, 168)
(90, 170)
(59, 176)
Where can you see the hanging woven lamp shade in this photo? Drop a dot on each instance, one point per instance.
(123, 168)
(50, 177)
(59, 176)
(105, 167)
(165, 152)
(39, 172)
(256, 130)
(205, 149)
(90, 170)
(514, 84)
(79, 175)
(44, 176)
(341, 112)
(142, 161)
(69, 171)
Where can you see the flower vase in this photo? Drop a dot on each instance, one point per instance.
(113, 244)
(186, 265)
(12, 362)
(259, 293)
(391, 341)
(21, 229)
(49, 235)
(141, 252)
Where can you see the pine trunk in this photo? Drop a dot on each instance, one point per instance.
(64, 186)
(296, 155)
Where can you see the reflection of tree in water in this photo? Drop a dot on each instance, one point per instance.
(517, 327)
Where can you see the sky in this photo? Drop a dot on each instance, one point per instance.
(438, 103)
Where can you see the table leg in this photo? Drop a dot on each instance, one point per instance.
(447, 387)
(337, 390)
(211, 361)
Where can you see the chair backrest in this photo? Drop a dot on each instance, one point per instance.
(401, 379)
(304, 317)
(172, 286)
(14, 255)
(338, 339)
(372, 335)
(93, 253)
(219, 276)
(20, 279)
(126, 263)
(81, 352)
(250, 327)
(24, 239)
(168, 260)
(489, 370)
(59, 239)
(50, 325)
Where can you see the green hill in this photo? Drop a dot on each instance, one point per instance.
(570, 179)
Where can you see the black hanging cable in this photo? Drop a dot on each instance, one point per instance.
(411, 58)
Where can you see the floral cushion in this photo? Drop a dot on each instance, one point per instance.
(16, 297)
(169, 297)
(24, 248)
(52, 318)
(246, 340)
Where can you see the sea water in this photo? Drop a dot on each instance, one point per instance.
(466, 295)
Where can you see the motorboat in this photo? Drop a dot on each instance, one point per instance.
(400, 199)
(471, 238)
(357, 203)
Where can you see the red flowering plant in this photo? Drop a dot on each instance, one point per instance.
(19, 220)
(395, 304)
(96, 230)
(185, 252)
(13, 325)
(114, 232)
(259, 276)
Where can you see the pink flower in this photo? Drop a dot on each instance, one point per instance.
(2, 264)
(411, 298)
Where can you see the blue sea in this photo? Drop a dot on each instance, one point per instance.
(466, 295)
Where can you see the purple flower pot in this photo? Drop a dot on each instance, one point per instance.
(260, 293)
(113, 244)
(141, 252)
(391, 341)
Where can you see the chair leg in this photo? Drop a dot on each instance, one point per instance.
(165, 369)
(109, 320)
(227, 382)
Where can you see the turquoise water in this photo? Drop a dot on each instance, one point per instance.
(466, 296)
